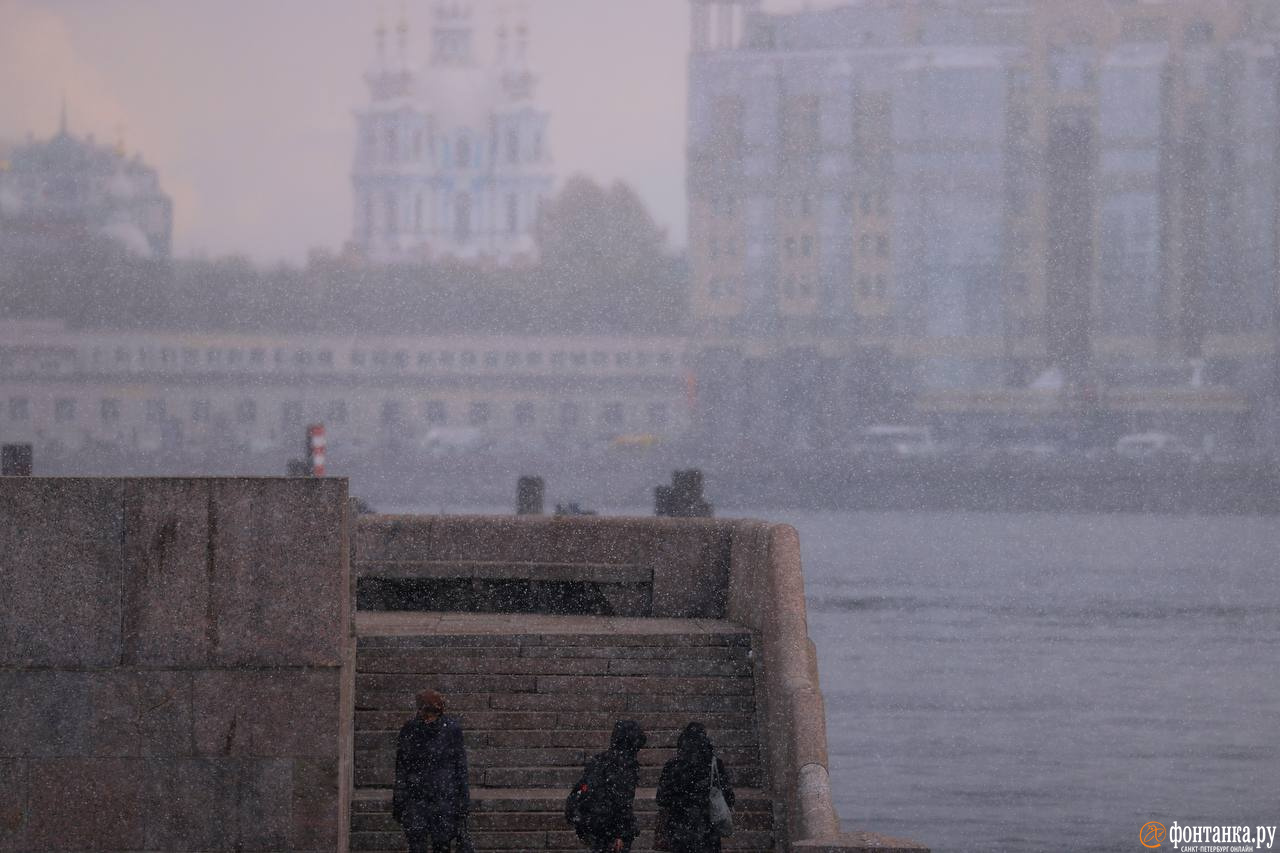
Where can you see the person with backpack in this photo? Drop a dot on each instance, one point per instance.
(600, 807)
(695, 795)
(432, 796)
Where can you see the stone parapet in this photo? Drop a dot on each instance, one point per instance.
(171, 664)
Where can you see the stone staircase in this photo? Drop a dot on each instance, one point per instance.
(537, 696)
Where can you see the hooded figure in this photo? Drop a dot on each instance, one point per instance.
(432, 795)
(684, 790)
(610, 821)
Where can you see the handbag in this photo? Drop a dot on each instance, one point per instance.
(721, 816)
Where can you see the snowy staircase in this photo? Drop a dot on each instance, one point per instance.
(537, 696)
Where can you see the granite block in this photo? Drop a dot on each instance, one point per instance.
(279, 571)
(44, 713)
(314, 799)
(264, 805)
(86, 803)
(13, 803)
(266, 713)
(168, 615)
(191, 804)
(61, 571)
(140, 713)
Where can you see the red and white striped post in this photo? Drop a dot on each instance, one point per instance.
(315, 449)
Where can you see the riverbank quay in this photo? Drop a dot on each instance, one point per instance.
(184, 656)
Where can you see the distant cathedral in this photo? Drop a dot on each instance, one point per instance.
(451, 156)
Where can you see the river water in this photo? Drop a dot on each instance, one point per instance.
(1035, 682)
(1016, 682)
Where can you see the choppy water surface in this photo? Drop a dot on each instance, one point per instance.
(1035, 682)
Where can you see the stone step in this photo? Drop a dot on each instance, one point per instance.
(445, 662)
(567, 723)
(738, 759)
(381, 774)
(589, 739)
(550, 685)
(621, 704)
(721, 639)
(532, 819)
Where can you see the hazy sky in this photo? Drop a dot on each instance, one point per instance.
(244, 106)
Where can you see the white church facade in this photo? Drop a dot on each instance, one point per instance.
(451, 159)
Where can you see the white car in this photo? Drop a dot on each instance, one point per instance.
(899, 440)
(1147, 445)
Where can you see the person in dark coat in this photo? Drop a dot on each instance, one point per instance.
(684, 789)
(610, 819)
(432, 796)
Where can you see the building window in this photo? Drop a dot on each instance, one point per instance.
(491, 360)
(622, 359)
(462, 218)
(246, 411)
(806, 245)
(233, 356)
(400, 359)
(513, 146)
(391, 144)
(882, 246)
(790, 244)
(578, 359)
(199, 411)
(213, 356)
(380, 358)
(326, 357)
(533, 359)
(435, 412)
(64, 411)
(657, 413)
(417, 145)
(568, 415)
(468, 359)
(392, 413)
(524, 414)
(882, 287)
(110, 409)
(600, 359)
(291, 413)
(19, 409)
(513, 213)
(337, 412)
(424, 360)
(864, 244)
(613, 416)
(302, 358)
(446, 359)
(558, 359)
(417, 213)
(479, 414)
(865, 204)
(257, 356)
(393, 215)
(463, 151)
(122, 355)
(806, 205)
(512, 359)
(155, 410)
(357, 358)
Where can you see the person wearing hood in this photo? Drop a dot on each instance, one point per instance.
(609, 819)
(684, 791)
(432, 796)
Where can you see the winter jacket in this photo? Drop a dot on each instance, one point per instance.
(616, 772)
(684, 789)
(431, 793)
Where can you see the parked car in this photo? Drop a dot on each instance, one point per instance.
(898, 440)
(1152, 445)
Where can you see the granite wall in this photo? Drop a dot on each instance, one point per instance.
(173, 656)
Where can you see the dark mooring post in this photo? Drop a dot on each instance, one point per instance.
(15, 460)
(529, 491)
(683, 498)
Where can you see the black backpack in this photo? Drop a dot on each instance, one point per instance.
(579, 805)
